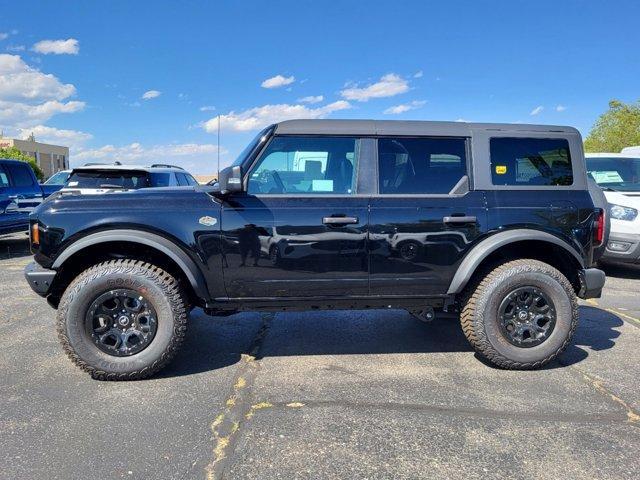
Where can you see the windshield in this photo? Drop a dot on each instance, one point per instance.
(59, 178)
(253, 145)
(617, 173)
(108, 179)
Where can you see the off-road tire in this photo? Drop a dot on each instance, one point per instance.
(480, 322)
(159, 287)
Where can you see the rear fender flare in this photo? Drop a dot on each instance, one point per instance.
(489, 245)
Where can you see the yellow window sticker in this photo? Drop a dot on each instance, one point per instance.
(501, 169)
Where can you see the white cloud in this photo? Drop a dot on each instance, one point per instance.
(69, 138)
(560, 108)
(404, 107)
(4, 35)
(20, 81)
(537, 110)
(418, 74)
(259, 117)
(388, 86)
(29, 97)
(70, 46)
(462, 120)
(311, 99)
(149, 94)
(24, 115)
(207, 108)
(195, 157)
(16, 48)
(278, 81)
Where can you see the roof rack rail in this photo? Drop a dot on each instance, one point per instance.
(93, 164)
(165, 165)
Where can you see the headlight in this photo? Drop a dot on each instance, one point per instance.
(623, 213)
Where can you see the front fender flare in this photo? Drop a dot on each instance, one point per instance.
(489, 245)
(162, 244)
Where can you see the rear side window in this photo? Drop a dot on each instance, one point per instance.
(182, 180)
(420, 165)
(21, 175)
(530, 161)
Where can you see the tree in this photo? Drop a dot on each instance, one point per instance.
(615, 129)
(16, 154)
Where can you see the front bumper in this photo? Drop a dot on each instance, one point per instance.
(591, 283)
(622, 248)
(39, 278)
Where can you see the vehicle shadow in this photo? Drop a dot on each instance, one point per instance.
(15, 245)
(621, 271)
(214, 343)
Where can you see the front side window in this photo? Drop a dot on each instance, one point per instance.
(617, 173)
(530, 161)
(420, 165)
(21, 175)
(306, 165)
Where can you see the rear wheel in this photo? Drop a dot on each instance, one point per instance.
(122, 319)
(520, 315)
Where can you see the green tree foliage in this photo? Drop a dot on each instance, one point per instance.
(16, 154)
(615, 129)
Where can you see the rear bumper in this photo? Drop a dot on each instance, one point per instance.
(39, 278)
(591, 283)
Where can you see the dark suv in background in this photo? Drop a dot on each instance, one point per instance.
(493, 221)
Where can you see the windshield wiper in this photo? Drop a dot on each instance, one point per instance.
(110, 185)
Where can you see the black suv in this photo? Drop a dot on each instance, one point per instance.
(489, 220)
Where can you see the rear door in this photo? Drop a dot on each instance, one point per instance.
(424, 218)
(300, 230)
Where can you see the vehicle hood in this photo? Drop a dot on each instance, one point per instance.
(631, 199)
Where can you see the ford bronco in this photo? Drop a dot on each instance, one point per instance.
(491, 221)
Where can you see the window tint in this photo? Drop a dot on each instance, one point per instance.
(4, 180)
(420, 165)
(21, 175)
(160, 179)
(300, 165)
(191, 180)
(108, 179)
(530, 161)
(182, 180)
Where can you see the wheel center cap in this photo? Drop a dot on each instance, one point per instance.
(123, 321)
(522, 315)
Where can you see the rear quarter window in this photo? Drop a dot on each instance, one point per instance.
(531, 161)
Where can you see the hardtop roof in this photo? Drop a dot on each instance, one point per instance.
(406, 127)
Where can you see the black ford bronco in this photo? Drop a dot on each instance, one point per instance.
(492, 221)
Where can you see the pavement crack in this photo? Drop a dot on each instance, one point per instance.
(238, 409)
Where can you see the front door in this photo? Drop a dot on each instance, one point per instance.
(300, 230)
(423, 219)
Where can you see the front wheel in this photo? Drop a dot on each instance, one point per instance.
(521, 315)
(122, 319)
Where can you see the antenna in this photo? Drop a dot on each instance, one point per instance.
(218, 174)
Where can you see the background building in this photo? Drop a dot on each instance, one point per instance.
(50, 158)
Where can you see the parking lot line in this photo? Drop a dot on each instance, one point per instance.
(624, 315)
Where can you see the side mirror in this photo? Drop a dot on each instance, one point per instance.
(230, 180)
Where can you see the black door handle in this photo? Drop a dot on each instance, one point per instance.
(461, 219)
(339, 220)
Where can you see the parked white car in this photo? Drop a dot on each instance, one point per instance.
(618, 174)
(96, 179)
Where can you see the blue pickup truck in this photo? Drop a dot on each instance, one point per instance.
(20, 193)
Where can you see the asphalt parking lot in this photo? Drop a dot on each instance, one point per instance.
(356, 395)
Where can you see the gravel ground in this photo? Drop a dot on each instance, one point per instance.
(353, 395)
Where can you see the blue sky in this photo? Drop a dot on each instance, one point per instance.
(76, 73)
